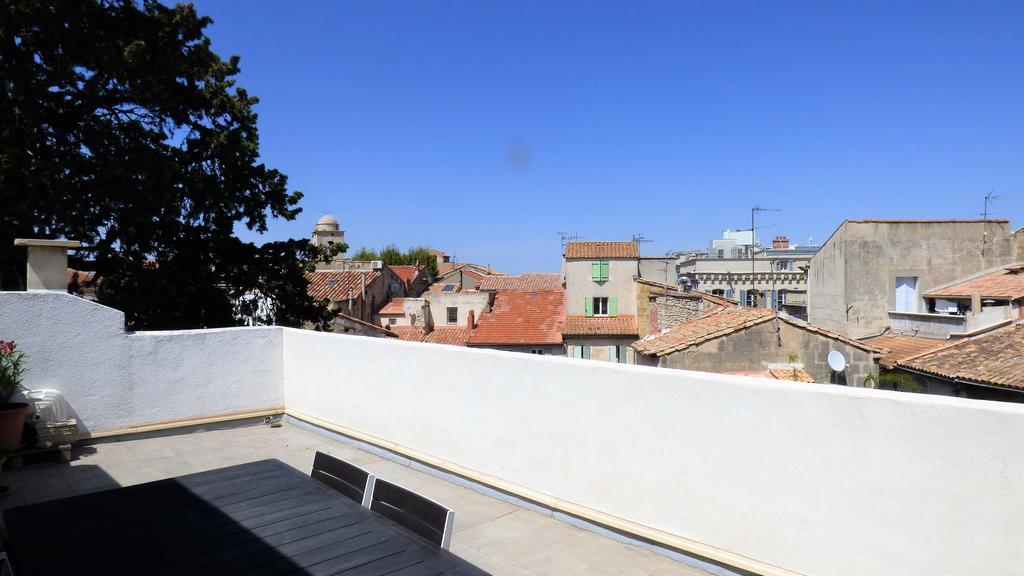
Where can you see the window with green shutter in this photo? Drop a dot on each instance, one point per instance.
(613, 306)
(599, 271)
(604, 270)
(588, 306)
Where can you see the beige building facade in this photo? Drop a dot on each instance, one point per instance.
(868, 268)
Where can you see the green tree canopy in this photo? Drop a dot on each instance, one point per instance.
(390, 254)
(120, 127)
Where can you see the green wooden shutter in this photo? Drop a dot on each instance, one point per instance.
(613, 306)
(588, 306)
(604, 270)
(595, 271)
(586, 352)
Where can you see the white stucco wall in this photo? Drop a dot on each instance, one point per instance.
(816, 479)
(820, 480)
(113, 379)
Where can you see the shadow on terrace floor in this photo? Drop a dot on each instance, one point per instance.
(496, 535)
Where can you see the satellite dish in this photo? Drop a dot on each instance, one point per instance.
(836, 361)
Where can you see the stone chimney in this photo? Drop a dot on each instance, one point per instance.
(470, 319)
(47, 263)
(780, 243)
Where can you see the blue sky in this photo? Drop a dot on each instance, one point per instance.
(484, 128)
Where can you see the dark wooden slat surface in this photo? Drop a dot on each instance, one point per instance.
(261, 518)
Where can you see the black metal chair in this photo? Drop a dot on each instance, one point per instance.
(413, 511)
(352, 481)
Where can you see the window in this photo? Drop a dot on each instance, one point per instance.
(751, 298)
(781, 297)
(718, 292)
(599, 271)
(721, 253)
(617, 354)
(453, 315)
(582, 352)
(537, 351)
(783, 265)
(599, 306)
(906, 294)
(392, 321)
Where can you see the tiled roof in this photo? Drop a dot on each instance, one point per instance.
(453, 336)
(601, 250)
(379, 329)
(900, 347)
(600, 326)
(445, 268)
(528, 282)
(407, 273)
(440, 287)
(410, 333)
(996, 358)
(715, 323)
(1006, 283)
(792, 374)
(395, 307)
(335, 285)
(521, 318)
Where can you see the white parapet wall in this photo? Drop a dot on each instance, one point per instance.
(765, 475)
(810, 478)
(115, 380)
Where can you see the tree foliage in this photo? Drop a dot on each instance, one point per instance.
(120, 127)
(391, 255)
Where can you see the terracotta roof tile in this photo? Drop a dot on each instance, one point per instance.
(996, 358)
(452, 336)
(600, 326)
(715, 323)
(901, 347)
(792, 374)
(438, 287)
(394, 308)
(522, 318)
(601, 250)
(528, 282)
(410, 333)
(406, 273)
(337, 285)
(1007, 283)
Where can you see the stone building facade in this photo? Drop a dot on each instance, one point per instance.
(870, 267)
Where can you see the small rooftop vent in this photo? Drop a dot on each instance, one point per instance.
(332, 281)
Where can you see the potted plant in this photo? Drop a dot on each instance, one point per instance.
(12, 414)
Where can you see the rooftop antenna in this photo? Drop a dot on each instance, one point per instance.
(639, 238)
(989, 199)
(753, 212)
(567, 237)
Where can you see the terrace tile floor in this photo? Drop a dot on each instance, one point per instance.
(494, 534)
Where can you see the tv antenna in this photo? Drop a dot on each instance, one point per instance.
(989, 199)
(566, 237)
(639, 238)
(753, 212)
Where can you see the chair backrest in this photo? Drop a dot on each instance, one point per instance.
(413, 511)
(352, 481)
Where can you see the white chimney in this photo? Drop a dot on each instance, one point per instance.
(47, 263)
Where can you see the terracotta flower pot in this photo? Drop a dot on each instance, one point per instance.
(12, 422)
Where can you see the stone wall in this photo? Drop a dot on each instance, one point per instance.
(774, 342)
